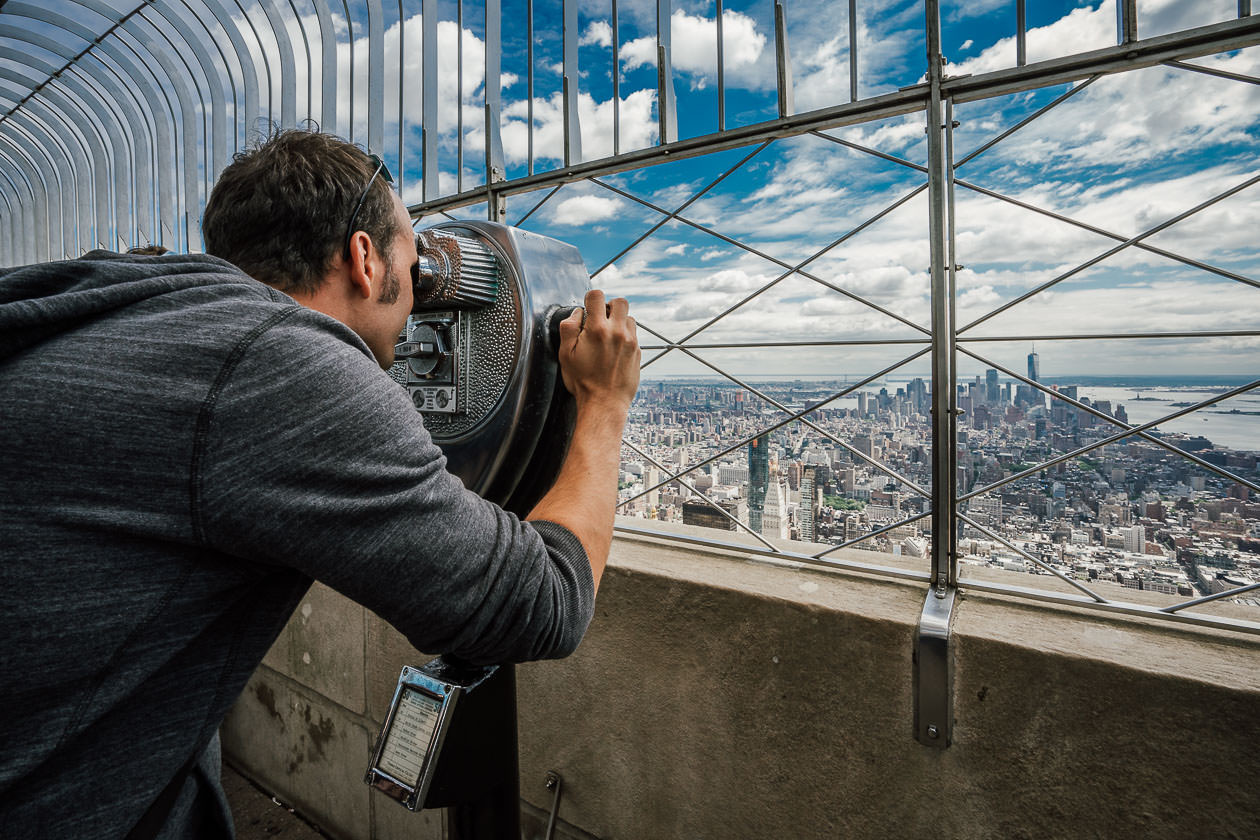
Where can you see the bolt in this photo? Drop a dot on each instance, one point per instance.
(932, 731)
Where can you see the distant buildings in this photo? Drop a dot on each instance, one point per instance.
(1129, 514)
(758, 479)
(700, 512)
(809, 504)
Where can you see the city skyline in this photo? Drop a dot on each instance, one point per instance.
(1130, 514)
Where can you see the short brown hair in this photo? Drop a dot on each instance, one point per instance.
(279, 211)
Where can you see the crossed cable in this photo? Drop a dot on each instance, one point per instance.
(684, 344)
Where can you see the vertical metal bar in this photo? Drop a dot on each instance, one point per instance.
(1126, 21)
(249, 74)
(933, 673)
(145, 129)
(327, 69)
(616, 80)
(82, 167)
(32, 150)
(428, 102)
(192, 149)
(402, 86)
(20, 253)
(350, 91)
(218, 155)
(65, 99)
(120, 94)
(459, 94)
(721, 70)
(120, 157)
(23, 244)
(783, 60)
(496, 170)
(951, 292)
(6, 233)
(666, 105)
(943, 386)
(51, 121)
(572, 125)
(932, 654)
(1244, 8)
(853, 52)
(36, 218)
(306, 47)
(529, 84)
(376, 77)
(187, 126)
(1021, 33)
(69, 199)
(262, 51)
(288, 74)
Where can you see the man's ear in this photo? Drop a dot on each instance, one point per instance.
(360, 265)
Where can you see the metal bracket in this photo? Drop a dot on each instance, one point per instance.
(554, 783)
(933, 677)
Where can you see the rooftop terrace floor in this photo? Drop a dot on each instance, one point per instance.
(259, 816)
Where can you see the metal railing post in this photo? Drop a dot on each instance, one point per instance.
(933, 690)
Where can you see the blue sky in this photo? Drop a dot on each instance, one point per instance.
(1124, 155)
(1127, 153)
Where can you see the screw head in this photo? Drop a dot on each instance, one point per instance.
(933, 732)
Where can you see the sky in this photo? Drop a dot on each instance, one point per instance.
(1125, 154)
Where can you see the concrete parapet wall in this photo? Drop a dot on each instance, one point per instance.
(717, 696)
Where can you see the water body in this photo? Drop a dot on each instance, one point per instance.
(1216, 423)
(1144, 398)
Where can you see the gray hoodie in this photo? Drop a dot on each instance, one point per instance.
(182, 451)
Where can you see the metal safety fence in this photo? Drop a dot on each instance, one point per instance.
(650, 126)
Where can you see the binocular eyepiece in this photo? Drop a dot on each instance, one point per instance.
(454, 272)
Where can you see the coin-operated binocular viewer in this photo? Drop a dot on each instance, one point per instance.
(479, 359)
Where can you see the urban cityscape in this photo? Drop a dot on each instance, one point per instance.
(1131, 513)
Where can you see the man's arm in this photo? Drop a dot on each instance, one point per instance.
(599, 360)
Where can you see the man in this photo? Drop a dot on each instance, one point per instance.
(185, 448)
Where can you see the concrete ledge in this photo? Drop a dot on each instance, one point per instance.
(718, 695)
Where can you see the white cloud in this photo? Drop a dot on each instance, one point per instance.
(597, 32)
(1081, 29)
(732, 280)
(693, 43)
(584, 210)
(677, 250)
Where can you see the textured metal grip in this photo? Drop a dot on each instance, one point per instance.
(460, 272)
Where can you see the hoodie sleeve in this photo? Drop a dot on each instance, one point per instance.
(309, 456)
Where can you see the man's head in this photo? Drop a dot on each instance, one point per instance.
(313, 216)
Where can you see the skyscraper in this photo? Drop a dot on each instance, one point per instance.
(758, 479)
(809, 493)
(1034, 373)
(774, 518)
(993, 394)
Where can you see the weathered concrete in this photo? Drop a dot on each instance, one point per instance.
(718, 696)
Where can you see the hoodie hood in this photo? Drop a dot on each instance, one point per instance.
(38, 302)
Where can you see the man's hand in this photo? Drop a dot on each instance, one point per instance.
(599, 360)
(599, 352)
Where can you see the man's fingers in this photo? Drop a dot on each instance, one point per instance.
(595, 306)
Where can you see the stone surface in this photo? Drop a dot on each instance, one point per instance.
(309, 751)
(259, 816)
(720, 695)
(322, 647)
